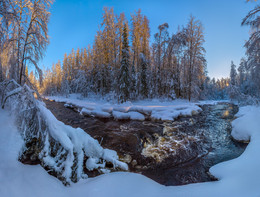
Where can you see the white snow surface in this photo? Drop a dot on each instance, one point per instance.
(77, 140)
(158, 110)
(238, 177)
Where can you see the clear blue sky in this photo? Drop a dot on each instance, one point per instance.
(74, 23)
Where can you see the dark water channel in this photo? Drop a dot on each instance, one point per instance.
(171, 153)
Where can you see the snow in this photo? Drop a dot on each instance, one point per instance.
(120, 115)
(17, 179)
(156, 109)
(85, 111)
(136, 116)
(238, 177)
(127, 116)
(100, 113)
(76, 141)
(242, 130)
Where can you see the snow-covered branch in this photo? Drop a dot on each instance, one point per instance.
(65, 151)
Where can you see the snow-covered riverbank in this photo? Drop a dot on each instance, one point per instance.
(155, 109)
(238, 177)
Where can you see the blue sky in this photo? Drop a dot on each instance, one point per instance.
(74, 23)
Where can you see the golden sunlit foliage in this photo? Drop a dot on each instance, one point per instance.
(171, 64)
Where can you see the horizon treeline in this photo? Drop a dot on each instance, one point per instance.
(172, 66)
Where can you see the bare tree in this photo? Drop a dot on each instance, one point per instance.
(195, 60)
(29, 33)
(7, 15)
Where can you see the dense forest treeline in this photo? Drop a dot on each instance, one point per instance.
(124, 63)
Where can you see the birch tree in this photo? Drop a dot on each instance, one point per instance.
(30, 33)
(195, 57)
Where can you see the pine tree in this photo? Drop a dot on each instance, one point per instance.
(124, 78)
(232, 86)
(233, 74)
(143, 76)
(133, 82)
(241, 74)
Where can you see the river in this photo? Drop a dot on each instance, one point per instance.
(171, 153)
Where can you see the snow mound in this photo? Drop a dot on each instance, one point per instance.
(136, 116)
(242, 130)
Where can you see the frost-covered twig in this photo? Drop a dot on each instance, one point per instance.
(4, 88)
(9, 94)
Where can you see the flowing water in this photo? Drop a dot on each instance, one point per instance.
(171, 153)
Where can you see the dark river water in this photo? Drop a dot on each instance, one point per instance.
(171, 153)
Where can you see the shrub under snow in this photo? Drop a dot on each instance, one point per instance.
(61, 149)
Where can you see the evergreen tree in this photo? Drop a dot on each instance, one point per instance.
(124, 78)
(143, 76)
(233, 91)
(252, 49)
(133, 82)
(241, 74)
(233, 74)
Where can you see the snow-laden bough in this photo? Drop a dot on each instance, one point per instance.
(63, 150)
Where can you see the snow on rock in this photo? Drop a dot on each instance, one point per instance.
(68, 105)
(136, 116)
(111, 155)
(122, 108)
(100, 114)
(126, 116)
(157, 110)
(85, 111)
(120, 115)
(107, 109)
(95, 113)
(93, 163)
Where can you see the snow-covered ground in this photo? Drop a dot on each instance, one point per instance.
(156, 109)
(238, 177)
